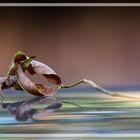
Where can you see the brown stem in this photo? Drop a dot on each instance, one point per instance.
(89, 82)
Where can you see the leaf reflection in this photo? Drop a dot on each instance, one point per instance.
(23, 110)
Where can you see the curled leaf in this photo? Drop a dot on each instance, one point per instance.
(34, 67)
(37, 67)
(31, 87)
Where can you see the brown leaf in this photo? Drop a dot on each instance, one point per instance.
(33, 67)
(37, 67)
(31, 87)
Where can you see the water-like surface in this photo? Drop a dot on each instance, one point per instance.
(80, 113)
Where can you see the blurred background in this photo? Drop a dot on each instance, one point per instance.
(101, 44)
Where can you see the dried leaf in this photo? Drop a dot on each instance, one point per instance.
(34, 67)
(31, 87)
(37, 67)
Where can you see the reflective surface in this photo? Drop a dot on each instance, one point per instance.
(70, 113)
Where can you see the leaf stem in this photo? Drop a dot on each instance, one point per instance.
(91, 83)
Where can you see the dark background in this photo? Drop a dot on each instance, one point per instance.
(101, 44)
